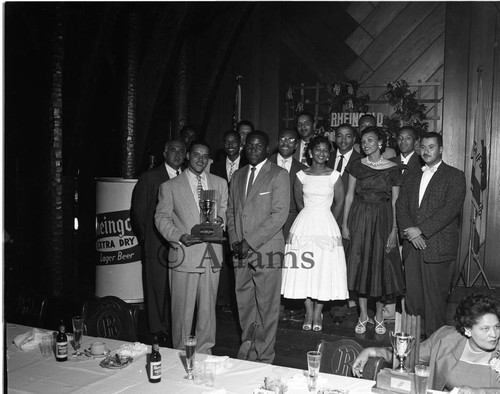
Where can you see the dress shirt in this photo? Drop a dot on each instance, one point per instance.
(426, 178)
(284, 163)
(301, 150)
(257, 169)
(405, 160)
(235, 163)
(193, 182)
(171, 172)
(347, 156)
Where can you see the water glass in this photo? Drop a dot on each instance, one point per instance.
(280, 380)
(190, 343)
(313, 363)
(210, 372)
(199, 372)
(46, 345)
(422, 373)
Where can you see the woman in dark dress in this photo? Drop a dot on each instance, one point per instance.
(374, 268)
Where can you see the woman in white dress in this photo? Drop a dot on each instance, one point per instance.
(314, 265)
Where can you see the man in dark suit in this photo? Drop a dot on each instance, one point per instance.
(144, 200)
(227, 164)
(194, 265)
(305, 127)
(428, 214)
(287, 143)
(411, 161)
(257, 211)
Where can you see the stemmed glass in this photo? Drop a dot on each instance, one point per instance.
(78, 327)
(190, 343)
(313, 363)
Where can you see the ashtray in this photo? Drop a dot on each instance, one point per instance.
(116, 362)
(89, 354)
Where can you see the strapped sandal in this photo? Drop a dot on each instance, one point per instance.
(361, 326)
(380, 326)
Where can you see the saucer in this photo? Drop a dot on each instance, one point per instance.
(89, 354)
(111, 363)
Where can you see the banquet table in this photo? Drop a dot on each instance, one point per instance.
(29, 372)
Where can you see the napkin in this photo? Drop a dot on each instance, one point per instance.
(132, 349)
(31, 339)
(221, 361)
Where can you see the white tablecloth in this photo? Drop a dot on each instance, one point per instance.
(29, 372)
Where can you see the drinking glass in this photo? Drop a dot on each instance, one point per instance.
(210, 372)
(190, 343)
(313, 363)
(78, 327)
(280, 380)
(422, 373)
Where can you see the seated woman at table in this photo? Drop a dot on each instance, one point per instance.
(459, 356)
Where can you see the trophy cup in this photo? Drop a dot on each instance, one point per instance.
(402, 344)
(208, 230)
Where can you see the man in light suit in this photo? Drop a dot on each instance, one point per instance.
(428, 214)
(257, 210)
(144, 200)
(411, 161)
(194, 265)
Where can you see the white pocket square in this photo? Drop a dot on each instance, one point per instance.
(263, 193)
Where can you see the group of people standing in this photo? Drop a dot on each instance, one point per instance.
(318, 220)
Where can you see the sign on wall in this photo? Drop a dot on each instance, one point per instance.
(337, 118)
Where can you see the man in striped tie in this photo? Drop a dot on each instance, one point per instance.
(305, 127)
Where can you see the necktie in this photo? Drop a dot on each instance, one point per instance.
(304, 153)
(199, 188)
(250, 181)
(341, 162)
(230, 171)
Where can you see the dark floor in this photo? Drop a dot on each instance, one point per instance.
(292, 342)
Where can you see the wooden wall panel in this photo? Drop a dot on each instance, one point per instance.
(359, 40)
(396, 32)
(492, 251)
(360, 10)
(410, 49)
(358, 70)
(383, 14)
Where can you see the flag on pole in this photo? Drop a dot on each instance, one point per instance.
(237, 102)
(479, 156)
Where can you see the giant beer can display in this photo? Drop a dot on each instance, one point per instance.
(119, 268)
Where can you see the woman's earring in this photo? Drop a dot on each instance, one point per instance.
(467, 333)
(380, 147)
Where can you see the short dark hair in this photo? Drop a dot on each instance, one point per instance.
(171, 142)
(433, 134)
(235, 133)
(198, 142)
(305, 113)
(258, 133)
(346, 125)
(381, 134)
(412, 129)
(319, 140)
(187, 128)
(293, 131)
(472, 308)
(245, 123)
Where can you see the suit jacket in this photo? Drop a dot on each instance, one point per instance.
(292, 212)
(414, 164)
(438, 216)
(176, 214)
(144, 200)
(219, 166)
(296, 154)
(345, 176)
(259, 218)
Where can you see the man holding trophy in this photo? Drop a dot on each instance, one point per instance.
(190, 214)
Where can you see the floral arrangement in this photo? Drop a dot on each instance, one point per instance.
(343, 96)
(495, 363)
(294, 100)
(407, 110)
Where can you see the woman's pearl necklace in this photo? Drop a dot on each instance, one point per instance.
(376, 163)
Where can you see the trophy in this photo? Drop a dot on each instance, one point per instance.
(208, 230)
(402, 344)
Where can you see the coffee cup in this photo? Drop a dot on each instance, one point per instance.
(97, 348)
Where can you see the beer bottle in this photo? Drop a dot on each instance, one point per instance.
(155, 362)
(62, 343)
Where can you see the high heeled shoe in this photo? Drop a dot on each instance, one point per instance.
(307, 324)
(318, 327)
(361, 326)
(380, 326)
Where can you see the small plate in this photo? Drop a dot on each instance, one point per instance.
(89, 354)
(110, 362)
